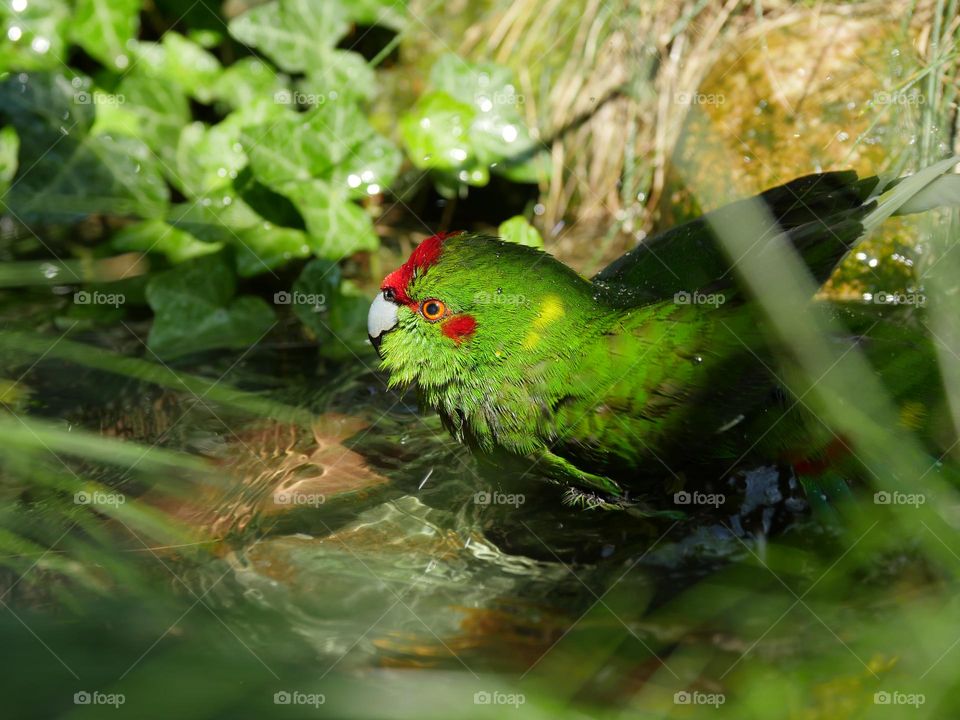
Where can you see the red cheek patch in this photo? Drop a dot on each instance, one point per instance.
(459, 327)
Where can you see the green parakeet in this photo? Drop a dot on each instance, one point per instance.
(661, 359)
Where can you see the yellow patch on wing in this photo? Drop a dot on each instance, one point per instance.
(912, 414)
(550, 311)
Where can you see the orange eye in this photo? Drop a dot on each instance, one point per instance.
(432, 309)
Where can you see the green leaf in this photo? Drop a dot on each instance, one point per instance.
(159, 237)
(65, 171)
(293, 33)
(34, 36)
(338, 321)
(339, 74)
(436, 132)
(105, 27)
(518, 230)
(334, 143)
(252, 87)
(161, 109)
(195, 309)
(441, 134)
(208, 157)
(9, 147)
(386, 13)
(337, 227)
(266, 247)
(190, 66)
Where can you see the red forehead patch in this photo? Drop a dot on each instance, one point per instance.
(423, 256)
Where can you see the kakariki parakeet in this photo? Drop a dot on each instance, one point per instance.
(602, 385)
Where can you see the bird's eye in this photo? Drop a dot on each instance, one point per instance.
(432, 310)
(389, 294)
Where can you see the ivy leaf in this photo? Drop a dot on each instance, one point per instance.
(195, 310)
(161, 110)
(339, 321)
(386, 13)
(162, 238)
(333, 142)
(253, 88)
(293, 33)
(104, 28)
(180, 61)
(518, 230)
(337, 227)
(64, 170)
(263, 248)
(436, 132)
(470, 123)
(34, 37)
(208, 157)
(9, 146)
(339, 74)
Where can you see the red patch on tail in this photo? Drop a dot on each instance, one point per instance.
(423, 256)
(836, 450)
(459, 327)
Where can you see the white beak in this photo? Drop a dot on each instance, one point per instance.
(382, 318)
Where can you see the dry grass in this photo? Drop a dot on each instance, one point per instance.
(602, 81)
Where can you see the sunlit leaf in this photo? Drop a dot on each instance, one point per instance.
(518, 230)
(33, 36)
(292, 33)
(104, 27)
(157, 236)
(338, 226)
(9, 147)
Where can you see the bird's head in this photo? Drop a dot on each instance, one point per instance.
(464, 303)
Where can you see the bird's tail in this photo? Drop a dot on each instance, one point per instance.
(934, 186)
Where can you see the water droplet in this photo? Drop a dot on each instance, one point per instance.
(509, 133)
(353, 180)
(19, 5)
(367, 176)
(458, 154)
(539, 209)
(373, 189)
(14, 33)
(121, 61)
(40, 45)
